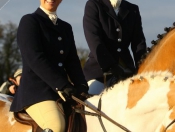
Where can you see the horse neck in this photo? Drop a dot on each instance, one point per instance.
(162, 56)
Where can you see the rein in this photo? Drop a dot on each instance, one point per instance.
(99, 117)
(169, 125)
(99, 113)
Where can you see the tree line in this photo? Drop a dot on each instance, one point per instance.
(10, 57)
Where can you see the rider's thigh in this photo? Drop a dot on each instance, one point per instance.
(47, 115)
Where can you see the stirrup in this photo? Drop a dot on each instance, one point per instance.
(47, 130)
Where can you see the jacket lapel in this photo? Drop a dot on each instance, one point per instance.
(109, 9)
(47, 22)
(123, 11)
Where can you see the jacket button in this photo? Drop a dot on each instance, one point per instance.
(60, 64)
(59, 38)
(119, 50)
(61, 52)
(118, 29)
(119, 40)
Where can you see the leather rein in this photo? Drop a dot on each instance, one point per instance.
(99, 114)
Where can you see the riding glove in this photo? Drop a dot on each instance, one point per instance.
(82, 91)
(82, 88)
(119, 72)
(67, 92)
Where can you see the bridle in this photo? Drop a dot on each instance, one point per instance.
(99, 114)
(98, 111)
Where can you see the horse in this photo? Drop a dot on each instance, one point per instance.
(144, 102)
(162, 57)
(8, 122)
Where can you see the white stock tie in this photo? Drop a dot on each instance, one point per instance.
(53, 18)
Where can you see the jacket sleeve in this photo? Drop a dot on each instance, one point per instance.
(95, 36)
(138, 44)
(72, 63)
(28, 38)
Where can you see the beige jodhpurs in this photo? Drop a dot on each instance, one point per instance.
(47, 115)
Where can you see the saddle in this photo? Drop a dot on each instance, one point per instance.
(23, 118)
(75, 119)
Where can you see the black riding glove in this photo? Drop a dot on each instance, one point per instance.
(82, 88)
(82, 91)
(67, 92)
(120, 72)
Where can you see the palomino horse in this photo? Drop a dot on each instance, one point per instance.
(142, 103)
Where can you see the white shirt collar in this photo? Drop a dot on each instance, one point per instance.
(51, 15)
(48, 12)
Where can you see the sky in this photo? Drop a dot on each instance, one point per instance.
(156, 15)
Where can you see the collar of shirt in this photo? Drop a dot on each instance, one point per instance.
(52, 15)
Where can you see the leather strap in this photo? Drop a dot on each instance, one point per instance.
(99, 117)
